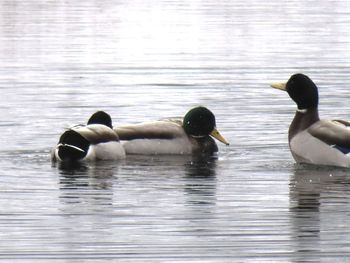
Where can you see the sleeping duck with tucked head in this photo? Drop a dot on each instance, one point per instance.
(192, 134)
(94, 141)
(311, 139)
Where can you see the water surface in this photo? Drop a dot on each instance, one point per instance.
(61, 61)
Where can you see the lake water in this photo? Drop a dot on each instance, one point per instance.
(145, 60)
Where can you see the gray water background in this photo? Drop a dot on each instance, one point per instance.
(145, 60)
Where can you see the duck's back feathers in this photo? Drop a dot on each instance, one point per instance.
(332, 132)
(96, 133)
(163, 129)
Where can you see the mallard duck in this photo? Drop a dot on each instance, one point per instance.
(311, 140)
(94, 141)
(188, 135)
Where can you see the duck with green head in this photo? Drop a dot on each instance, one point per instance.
(91, 142)
(311, 139)
(192, 134)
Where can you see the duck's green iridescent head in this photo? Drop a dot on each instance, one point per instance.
(101, 117)
(200, 122)
(302, 90)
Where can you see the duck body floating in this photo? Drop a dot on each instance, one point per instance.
(91, 142)
(311, 139)
(192, 134)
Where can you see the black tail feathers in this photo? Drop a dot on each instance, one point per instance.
(72, 146)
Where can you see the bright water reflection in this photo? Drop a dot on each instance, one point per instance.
(319, 204)
(142, 60)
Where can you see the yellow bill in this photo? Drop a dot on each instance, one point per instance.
(280, 86)
(216, 134)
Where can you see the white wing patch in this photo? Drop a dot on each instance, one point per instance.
(106, 151)
(177, 146)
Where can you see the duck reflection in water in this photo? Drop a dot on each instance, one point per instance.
(87, 183)
(86, 202)
(197, 174)
(200, 174)
(313, 208)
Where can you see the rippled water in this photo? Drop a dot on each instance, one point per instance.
(144, 60)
